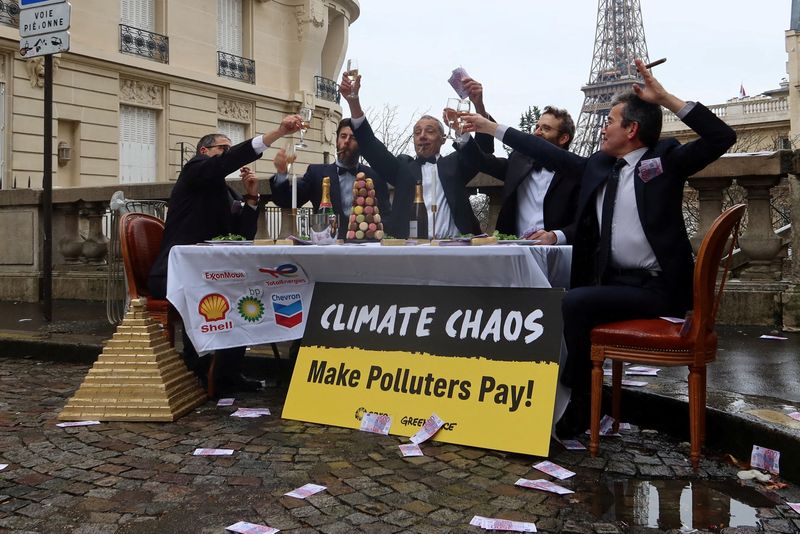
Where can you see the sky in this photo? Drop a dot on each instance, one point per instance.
(533, 52)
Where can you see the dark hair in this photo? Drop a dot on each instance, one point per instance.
(209, 140)
(646, 114)
(434, 119)
(344, 123)
(567, 124)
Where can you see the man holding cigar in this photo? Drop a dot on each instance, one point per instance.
(342, 174)
(631, 255)
(202, 206)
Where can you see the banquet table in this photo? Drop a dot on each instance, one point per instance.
(238, 271)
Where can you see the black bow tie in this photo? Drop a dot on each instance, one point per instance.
(342, 170)
(422, 161)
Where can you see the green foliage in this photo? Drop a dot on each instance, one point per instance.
(528, 120)
(504, 237)
(229, 237)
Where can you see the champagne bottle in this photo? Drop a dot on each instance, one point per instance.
(418, 226)
(325, 206)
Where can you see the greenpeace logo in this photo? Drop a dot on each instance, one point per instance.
(218, 276)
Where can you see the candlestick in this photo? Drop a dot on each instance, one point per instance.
(294, 192)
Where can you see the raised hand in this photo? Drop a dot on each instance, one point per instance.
(249, 180)
(474, 122)
(281, 161)
(290, 124)
(475, 93)
(653, 91)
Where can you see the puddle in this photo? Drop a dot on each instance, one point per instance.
(677, 504)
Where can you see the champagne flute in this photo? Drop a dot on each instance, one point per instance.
(463, 108)
(450, 114)
(352, 75)
(305, 117)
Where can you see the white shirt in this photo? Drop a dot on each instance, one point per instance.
(432, 189)
(630, 248)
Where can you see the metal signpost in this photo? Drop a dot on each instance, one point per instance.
(43, 26)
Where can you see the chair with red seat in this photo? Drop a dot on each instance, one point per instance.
(659, 342)
(140, 241)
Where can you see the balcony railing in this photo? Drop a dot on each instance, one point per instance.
(143, 43)
(327, 89)
(9, 13)
(238, 68)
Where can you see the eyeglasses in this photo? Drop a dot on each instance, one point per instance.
(224, 148)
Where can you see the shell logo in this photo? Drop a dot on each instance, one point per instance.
(213, 307)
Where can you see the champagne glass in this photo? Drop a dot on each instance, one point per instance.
(305, 117)
(463, 108)
(450, 114)
(352, 75)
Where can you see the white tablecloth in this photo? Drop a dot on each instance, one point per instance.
(494, 266)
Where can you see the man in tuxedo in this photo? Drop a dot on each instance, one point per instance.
(444, 178)
(631, 254)
(342, 174)
(538, 203)
(203, 206)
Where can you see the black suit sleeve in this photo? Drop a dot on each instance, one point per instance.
(282, 192)
(715, 138)
(376, 153)
(476, 157)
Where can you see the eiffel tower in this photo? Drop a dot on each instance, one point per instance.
(619, 40)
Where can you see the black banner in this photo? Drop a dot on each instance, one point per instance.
(504, 324)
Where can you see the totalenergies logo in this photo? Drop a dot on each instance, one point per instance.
(213, 307)
(287, 270)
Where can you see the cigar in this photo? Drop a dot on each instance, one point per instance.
(655, 63)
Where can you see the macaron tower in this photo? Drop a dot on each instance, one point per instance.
(365, 217)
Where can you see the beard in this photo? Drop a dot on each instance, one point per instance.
(348, 158)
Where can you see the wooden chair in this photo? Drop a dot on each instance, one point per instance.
(659, 342)
(140, 241)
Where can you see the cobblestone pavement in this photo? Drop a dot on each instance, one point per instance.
(142, 478)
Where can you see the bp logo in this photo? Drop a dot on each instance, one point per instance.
(251, 309)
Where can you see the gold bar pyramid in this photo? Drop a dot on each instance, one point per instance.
(137, 377)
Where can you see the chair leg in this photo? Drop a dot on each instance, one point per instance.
(695, 385)
(597, 399)
(703, 406)
(616, 393)
(275, 351)
(212, 382)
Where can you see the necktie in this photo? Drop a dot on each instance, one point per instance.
(342, 170)
(604, 248)
(536, 166)
(422, 161)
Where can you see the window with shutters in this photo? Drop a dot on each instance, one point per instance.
(229, 26)
(233, 38)
(139, 22)
(236, 132)
(137, 144)
(139, 14)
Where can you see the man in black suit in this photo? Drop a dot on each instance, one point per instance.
(444, 178)
(538, 203)
(631, 254)
(342, 174)
(203, 206)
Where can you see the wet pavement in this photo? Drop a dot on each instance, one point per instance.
(138, 477)
(143, 478)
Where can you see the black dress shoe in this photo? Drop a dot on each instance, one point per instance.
(239, 383)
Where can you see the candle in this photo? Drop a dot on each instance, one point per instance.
(294, 191)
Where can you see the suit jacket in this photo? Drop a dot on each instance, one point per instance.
(309, 189)
(403, 173)
(560, 200)
(200, 205)
(658, 201)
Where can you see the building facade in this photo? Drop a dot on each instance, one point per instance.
(144, 79)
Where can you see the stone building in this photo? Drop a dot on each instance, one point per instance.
(144, 79)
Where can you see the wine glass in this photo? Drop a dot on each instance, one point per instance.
(305, 117)
(450, 115)
(352, 75)
(463, 108)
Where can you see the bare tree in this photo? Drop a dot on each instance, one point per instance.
(388, 128)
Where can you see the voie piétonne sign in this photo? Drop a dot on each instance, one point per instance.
(484, 359)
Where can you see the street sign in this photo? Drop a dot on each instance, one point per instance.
(41, 45)
(37, 3)
(41, 20)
